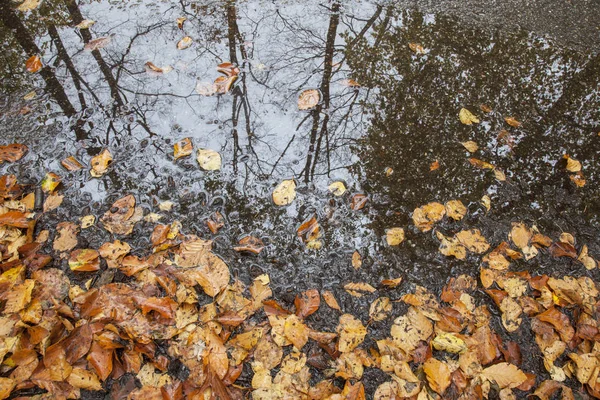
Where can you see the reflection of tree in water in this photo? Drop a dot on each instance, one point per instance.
(416, 98)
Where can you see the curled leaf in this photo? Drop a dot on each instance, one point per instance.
(309, 99)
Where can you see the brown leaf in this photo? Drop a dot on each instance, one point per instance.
(561, 249)
(309, 230)
(98, 43)
(434, 165)
(33, 64)
(358, 201)
(560, 322)
(296, 331)
(66, 236)
(183, 148)
(307, 303)
(505, 375)
(438, 375)
(359, 288)
(84, 260)
(330, 300)
(12, 152)
(512, 122)
(391, 283)
(251, 244)
(17, 219)
(351, 332)
(480, 164)
(100, 360)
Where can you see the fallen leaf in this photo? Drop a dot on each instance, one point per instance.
(50, 182)
(394, 236)
(486, 202)
(485, 108)
(505, 375)
(307, 303)
(358, 201)
(85, 24)
(296, 331)
(466, 117)
(512, 122)
(284, 193)
(356, 260)
(66, 236)
(183, 148)
(351, 333)
(100, 163)
(588, 262)
(578, 179)
(12, 152)
(572, 164)
(154, 70)
(416, 48)
(561, 249)
(473, 241)
(87, 221)
(499, 174)
(223, 84)
(337, 188)
(209, 160)
(52, 202)
(184, 43)
(380, 309)
(450, 246)
(410, 329)
(471, 146)
(29, 5)
(389, 171)
(33, 64)
(425, 216)
(449, 342)
(392, 283)
(330, 300)
(434, 165)
(480, 164)
(250, 244)
(309, 99)
(349, 83)
(357, 289)
(309, 231)
(180, 22)
(98, 43)
(455, 209)
(71, 164)
(84, 260)
(438, 375)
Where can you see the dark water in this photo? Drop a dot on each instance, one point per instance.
(404, 116)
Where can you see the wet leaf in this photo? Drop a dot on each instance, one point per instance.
(223, 84)
(480, 164)
(88, 221)
(33, 64)
(380, 309)
(485, 108)
(184, 43)
(84, 260)
(505, 375)
(12, 152)
(466, 117)
(394, 236)
(52, 202)
(572, 164)
(50, 182)
(434, 165)
(471, 146)
(330, 300)
(307, 303)
(455, 209)
(486, 202)
(561, 249)
(588, 262)
(351, 333)
(66, 238)
(356, 260)
(358, 201)
(438, 375)
(295, 331)
(389, 171)
(410, 329)
(85, 24)
(183, 148)
(122, 216)
(154, 70)
(499, 175)
(416, 48)
(180, 22)
(425, 216)
(29, 5)
(251, 244)
(391, 283)
(30, 96)
(284, 193)
(98, 43)
(451, 246)
(578, 179)
(512, 122)
(71, 164)
(83, 379)
(309, 99)
(209, 160)
(357, 289)
(560, 322)
(100, 163)
(309, 230)
(337, 188)
(449, 342)
(473, 241)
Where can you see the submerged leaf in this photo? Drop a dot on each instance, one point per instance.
(184, 43)
(33, 64)
(466, 117)
(183, 148)
(100, 163)
(285, 192)
(12, 152)
(309, 99)
(209, 160)
(394, 236)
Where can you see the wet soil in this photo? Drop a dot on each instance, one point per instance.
(404, 116)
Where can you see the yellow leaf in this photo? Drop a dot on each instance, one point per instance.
(512, 122)
(29, 5)
(184, 43)
(438, 375)
(572, 164)
(380, 309)
(455, 209)
(356, 260)
(295, 331)
(337, 188)
(473, 241)
(100, 163)
(480, 164)
(330, 300)
(499, 174)
(180, 22)
(410, 329)
(449, 342)
(359, 288)
(505, 375)
(417, 48)
(285, 192)
(394, 236)
(84, 379)
(309, 99)
(50, 182)
(351, 333)
(466, 117)
(450, 246)
(470, 146)
(487, 202)
(87, 221)
(85, 24)
(425, 216)
(209, 160)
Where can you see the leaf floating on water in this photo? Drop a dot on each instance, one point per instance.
(223, 84)
(98, 43)
(206, 88)
(250, 244)
(309, 231)
(480, 164)
(228, 69)
(486, 202)
(50, 182)
(184, 43)
(358, 201)
(467, 118)
(512, 122)
(284, 193)
(337, 188)
(349, 83)
(166, 205)
(52, 202)
(572, 164)
(183, 148)
(29, 5)
(33, 64)
(471, 146)
(499, 174)
(394, 236)
(85, 24)
(309, 99)
(151, 68)
(434, 165)
(180, 22)
(30, 96)
(12, 152)
(208, 159)
(100, 163)
(578, 179)
(416, 48)
(71, 164)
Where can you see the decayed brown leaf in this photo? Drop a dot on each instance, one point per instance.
(358, 201)
(392, 283)
(310, 231)
(250, 244)
(66, 237)
(416, 48)
(84, 260)
(480, 164)
(434, 165)
(309, 99)
(122, 216)
(71, 164)
(12, 152)
(100, 163)
(380, 309)
(307, 303)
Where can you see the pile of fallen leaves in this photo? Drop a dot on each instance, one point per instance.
(180, 305)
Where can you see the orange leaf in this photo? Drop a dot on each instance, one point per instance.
(307, 303)
(33, 64)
